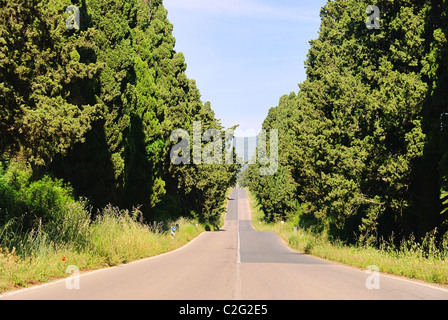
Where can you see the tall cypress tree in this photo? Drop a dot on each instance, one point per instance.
(44, 109)
(145, 95)
(365, 135)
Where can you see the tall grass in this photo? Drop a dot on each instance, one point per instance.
(425, 260)
(43, 230)
(114, 237)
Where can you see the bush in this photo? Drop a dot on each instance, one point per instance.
(28, 207)
(47, 199)
(41, 223)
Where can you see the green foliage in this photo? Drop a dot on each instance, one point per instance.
(31, 204)
(360, 145)
(45, 106)
(96, 108)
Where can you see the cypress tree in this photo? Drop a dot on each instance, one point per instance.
(364, 139)
(44, 108)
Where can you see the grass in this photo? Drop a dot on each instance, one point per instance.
(44, 229)
(114, 238)
(422, 261)
(77, 239)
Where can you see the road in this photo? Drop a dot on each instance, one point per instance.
(236, 263)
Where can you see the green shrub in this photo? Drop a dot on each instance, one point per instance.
(29, 208)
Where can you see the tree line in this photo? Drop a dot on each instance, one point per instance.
(363, 145)
(95, 106)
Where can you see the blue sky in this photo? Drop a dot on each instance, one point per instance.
(244, 54)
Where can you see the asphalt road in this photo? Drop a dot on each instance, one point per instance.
(236, 263)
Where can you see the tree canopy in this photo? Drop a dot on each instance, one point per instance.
(363, 144)
(96, 105)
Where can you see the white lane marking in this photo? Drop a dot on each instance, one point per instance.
(238, 255)
(237, 291)
(415, 282)
(237, 295)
